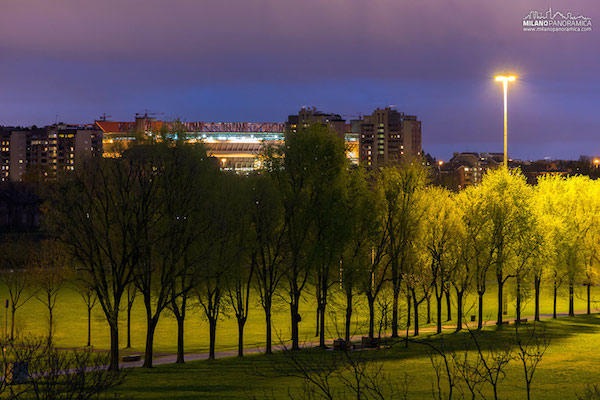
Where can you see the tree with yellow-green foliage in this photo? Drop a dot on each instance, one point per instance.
(505, 203)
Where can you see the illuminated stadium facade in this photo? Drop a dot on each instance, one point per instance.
(237, 145)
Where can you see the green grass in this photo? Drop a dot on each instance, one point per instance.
(71, 321)
(570, 363)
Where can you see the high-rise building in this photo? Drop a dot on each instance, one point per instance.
(46, 150)
(308, 116)
(387, 137)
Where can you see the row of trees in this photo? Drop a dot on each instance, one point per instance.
(164, 220)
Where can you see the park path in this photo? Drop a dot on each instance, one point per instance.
(171, 358)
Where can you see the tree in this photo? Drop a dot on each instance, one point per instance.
(89, 297)
(51, 274)
(94, 212)
(571, 202)
(361, 218)
(476, 244)
(330, 235)
(506, 195)
(16, 275)
(302, 170)
(400, 187)
(240, 274)
(167, 222)
(267, 226)
(531, 348)
(526, 251)
(131, 294)
(58, 374)
(223, 241)
(440, 226)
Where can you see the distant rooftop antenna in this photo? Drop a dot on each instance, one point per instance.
(104, 116)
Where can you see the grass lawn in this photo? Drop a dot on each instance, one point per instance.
(569, 364)
(71, 321)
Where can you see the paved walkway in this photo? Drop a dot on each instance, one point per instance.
(171, 358)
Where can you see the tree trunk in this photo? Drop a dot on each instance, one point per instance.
(416, 306)
(322, 307)
(554, 300)
(241, 323)
(371, 302)
(428, 309)
(589, 308)
(50, 326)
(13, 311)
(318, 319)
(448, 306)
(294, 316)
(537, 282)
(480, 311)
(89, 335)
(518, 319)
(348, 315)
(114, 344)
(396, 294)
(408, 310)
(459, 309)
(180, 331)
(500, 299)
(439, 313)
(571, 300)
(150, 328)
(268, 349)
(129, 306)
(212, 327)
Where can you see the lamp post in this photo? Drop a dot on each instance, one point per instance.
(505, 80)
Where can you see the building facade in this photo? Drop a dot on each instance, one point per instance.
(387, 137)
(46, 151)
(310, 115)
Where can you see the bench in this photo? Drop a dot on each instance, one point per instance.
(340, 344)
(369, 343)
(131, 358)
(523, 320)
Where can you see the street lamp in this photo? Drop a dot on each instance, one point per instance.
(505, 80)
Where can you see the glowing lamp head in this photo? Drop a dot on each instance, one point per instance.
(503, 78)
(440, 162)
(596, 161)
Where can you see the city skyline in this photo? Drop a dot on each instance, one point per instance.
(250, 61)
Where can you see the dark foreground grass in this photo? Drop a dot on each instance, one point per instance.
(571, 362)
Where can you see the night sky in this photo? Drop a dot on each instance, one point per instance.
(260, 60)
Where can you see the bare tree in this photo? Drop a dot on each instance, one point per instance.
(51, 274)
(50, 373)
(493, 363)
(89, 297)
(131, 294)
(336, 375)
(532, 345)
(16, 275)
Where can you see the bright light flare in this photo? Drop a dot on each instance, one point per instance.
(502, 78)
